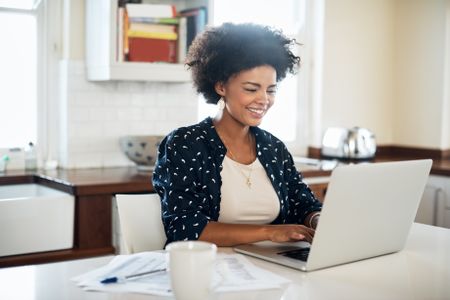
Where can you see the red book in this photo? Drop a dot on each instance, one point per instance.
(152, 50)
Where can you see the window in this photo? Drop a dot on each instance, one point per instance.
(18, 77)
(289, 16)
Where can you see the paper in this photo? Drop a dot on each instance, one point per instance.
(233, 272)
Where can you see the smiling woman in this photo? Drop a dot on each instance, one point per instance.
(18, 77)
(225, 180)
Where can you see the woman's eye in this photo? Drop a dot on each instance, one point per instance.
(250, 90)
(272, 92)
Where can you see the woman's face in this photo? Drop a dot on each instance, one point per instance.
(249, 94)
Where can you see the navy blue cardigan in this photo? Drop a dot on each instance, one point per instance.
(187, 178)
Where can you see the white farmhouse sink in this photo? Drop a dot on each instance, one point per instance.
(35, 218)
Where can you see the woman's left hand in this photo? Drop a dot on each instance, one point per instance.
(289, 233)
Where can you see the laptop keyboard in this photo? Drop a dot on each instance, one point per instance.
(300, 254)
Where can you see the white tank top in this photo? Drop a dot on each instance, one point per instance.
(258, 204)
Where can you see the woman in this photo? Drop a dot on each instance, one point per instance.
(224, 180)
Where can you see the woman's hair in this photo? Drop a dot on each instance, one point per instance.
(221, 52)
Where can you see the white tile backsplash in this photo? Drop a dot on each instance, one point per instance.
(99, 113)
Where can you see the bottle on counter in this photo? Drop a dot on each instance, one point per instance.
(3, 162)
(30, 157)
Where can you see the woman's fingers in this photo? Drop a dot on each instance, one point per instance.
(289, 233)
(297, 236)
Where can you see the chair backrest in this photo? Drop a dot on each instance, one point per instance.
(140, 222)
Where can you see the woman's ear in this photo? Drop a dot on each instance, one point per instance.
(220, 88)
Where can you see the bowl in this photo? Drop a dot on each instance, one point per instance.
(141, 149)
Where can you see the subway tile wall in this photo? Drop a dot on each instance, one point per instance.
(94, 115)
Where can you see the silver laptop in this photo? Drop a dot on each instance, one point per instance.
(368, 211)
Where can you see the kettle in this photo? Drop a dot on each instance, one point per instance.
(354, 143)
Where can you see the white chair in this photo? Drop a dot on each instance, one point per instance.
(140, 222)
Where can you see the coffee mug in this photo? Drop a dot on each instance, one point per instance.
(191, 268)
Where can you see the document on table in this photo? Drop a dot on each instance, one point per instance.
(233, 272)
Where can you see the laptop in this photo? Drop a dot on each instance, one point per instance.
(368, 211)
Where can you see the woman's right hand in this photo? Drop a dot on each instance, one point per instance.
(289, 233)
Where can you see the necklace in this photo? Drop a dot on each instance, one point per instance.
(248, 180)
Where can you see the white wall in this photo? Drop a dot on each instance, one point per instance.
(446, 100)
(420, 55)
(97, 114)
(385, 67)
(357, 66)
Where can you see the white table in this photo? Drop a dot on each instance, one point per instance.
(420, 271)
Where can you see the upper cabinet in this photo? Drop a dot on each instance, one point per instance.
(104, 44)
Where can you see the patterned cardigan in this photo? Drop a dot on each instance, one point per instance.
(187, 178)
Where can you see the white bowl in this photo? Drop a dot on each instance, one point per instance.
(141, 149)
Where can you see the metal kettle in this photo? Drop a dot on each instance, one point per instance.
(354, 143)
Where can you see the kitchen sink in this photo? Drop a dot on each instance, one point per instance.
(35, 218)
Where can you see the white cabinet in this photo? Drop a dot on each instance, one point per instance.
(101, 41)
(434, 209)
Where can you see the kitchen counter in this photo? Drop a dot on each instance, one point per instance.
(94, 190)
(128, 180)
(99, 180)
(440, 166)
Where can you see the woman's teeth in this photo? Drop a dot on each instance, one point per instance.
(256, 110)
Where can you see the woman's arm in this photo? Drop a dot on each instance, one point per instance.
(225, 235)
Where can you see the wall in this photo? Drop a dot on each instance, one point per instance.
(94, 115)
(446, 94)
(358, 75)
(97, 114)
(386, 67)
(420, 56)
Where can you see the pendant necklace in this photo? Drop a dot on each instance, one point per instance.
(248, 180)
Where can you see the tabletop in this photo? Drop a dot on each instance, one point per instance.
(420, 271)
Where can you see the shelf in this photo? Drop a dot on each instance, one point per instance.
(101, 36)
(159, 72)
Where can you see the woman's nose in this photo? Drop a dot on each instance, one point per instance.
(264, 97)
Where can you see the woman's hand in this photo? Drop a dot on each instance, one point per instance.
(289, 233)
(226, 235)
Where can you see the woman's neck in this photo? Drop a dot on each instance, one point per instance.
(230, 127)
(237, 138)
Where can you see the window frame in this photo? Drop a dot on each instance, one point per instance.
(49, 14)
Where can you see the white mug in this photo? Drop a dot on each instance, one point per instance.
(191, 268)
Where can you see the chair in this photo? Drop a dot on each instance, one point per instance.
(140, 222)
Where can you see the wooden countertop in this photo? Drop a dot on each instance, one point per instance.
(128, 180)
(86, 181)
(440, 166)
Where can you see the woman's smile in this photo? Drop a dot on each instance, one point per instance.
(257, 113)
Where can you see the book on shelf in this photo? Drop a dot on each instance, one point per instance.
(152, 50)
(120, 34)
(121, 37)
(153, 35)
(170, 21)
(155, 32)
(196, 19)
(149, 27)
(182, 41)
(150, 10)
